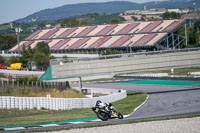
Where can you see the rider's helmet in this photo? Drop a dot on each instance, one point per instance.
(98, 102)
(102, 105)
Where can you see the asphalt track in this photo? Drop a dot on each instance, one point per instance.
(163, 101)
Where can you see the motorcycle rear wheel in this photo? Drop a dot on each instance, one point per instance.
(103, 116)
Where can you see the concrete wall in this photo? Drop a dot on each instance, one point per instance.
(22, 103)
(126, 64)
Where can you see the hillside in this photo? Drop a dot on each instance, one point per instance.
(107, 8)
(80, 9)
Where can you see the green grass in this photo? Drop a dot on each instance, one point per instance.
(67, 93)
(178, 71)
(29, 117)
(127, 105)
(103, 79)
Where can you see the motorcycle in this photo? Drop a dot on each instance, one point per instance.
(106, 111)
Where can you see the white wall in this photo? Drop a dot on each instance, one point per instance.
(22, 103)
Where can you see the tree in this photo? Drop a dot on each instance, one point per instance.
(41, 59)
(171, 15)
(83, 23)
(115, 21)
(7, 41)
(43, 48)
(2, 60)
(14, 59)
(69, 23)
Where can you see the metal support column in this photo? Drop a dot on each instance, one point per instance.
(173, 40)
(80, 83)
(179, 42)
(167, 42)
(186, 40)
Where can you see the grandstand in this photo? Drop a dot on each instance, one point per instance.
(135, 36)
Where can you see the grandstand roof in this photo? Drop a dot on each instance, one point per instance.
(135, 34)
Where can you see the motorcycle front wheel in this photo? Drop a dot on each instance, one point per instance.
(103, 116)
(120, 116)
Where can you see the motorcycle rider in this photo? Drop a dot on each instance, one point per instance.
(105, 111)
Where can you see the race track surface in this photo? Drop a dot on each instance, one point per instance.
(163, 101)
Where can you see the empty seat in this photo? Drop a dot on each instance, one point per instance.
(156, 38)
(128, 28)
(144, 40)
(79, 43)
(60, 44)
(48, 34)
(173, 25)
(100, 41)
(121, 41)
(33, 35)
(67, 32)
(86, 31)
(107, 29)
(90, 42)
(150, 26)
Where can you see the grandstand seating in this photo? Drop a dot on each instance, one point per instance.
(90, 42)
(67, 32)
(76, 32)
(79, 43)
(111, 41)
(33, 35)
(173, 25)
(151, 26)
(59, 44)
(98, 29)
(49, 34)
(100, 41)
(145, 39)
(134, 34)
(121, 41)
(86, 31)
(70, 43)
(162, 25)
(47, 41)
(128, 28)
(23, 44)
(134, 39)
(107, 29)
(156, 39)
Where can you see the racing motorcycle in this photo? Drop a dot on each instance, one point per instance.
(106, 111)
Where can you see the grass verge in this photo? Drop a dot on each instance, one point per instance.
(103, 79)
(67, 93)
(177, 71)
(29, 117)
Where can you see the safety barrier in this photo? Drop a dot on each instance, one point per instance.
(194, 73)
(23, 103)
(150, 75)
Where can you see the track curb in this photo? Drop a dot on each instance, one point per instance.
(57, 124)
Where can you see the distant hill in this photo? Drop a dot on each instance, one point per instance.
(107, 7)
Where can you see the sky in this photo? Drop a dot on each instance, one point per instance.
(11, 10)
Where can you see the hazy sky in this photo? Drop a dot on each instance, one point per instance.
(14, 9)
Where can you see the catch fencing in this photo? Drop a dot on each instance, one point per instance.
(23, 103)
(21, 88)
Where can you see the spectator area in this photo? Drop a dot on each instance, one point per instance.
(137, 34)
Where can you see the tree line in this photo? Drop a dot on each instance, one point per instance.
(40, 55)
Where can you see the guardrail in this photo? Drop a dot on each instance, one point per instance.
(23, 103)
(134, 63)
(104, 57)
